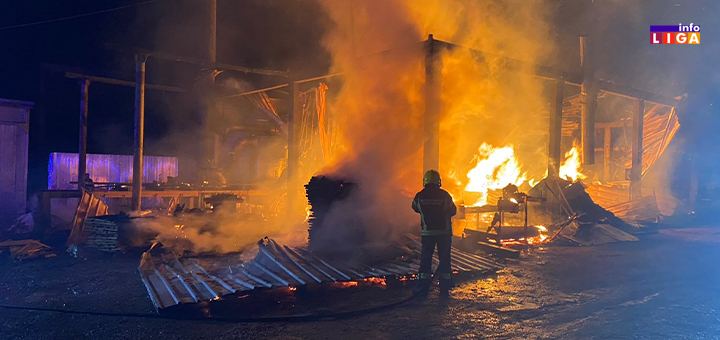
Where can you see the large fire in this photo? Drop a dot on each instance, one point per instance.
(496, 167)
(570, 167)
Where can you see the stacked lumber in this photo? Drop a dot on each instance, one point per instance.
(322, 193)
(102, 234)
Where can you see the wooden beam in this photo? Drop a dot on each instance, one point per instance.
(433, 83)
(206, 84)
(499, 250)
(554, 150)
(570, 78)
(247, 93)
(327, 76)
(632, 93)
(138, 145)
(588, 93)
(196, 61)
(82, 143)
(292, 161)
(118, 82)
(637, 150)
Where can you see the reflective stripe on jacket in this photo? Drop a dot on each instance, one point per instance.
(436, 208)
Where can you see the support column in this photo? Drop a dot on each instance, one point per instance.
(211, 147)
(292, 161)
(637, 150)
(138, 147)
(588, 91)
(433, 83)
(554, 151)
(82, 144)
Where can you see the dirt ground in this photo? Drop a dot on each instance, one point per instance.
(663, 287)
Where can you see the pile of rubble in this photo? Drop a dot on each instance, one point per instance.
(587, 222)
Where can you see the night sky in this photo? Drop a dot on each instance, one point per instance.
(287, 35)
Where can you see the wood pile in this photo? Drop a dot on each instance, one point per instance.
(89, 206)
(102, 234)
(322, 193)
(26, 249)
(595, 234)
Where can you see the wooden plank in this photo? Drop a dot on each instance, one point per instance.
(556, 117)
(501, 251)
(588, 93)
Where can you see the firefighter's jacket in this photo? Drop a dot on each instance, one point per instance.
(436, 209)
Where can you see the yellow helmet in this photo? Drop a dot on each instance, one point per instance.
(431, 176)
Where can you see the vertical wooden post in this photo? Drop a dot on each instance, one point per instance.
(607, 152)
(211, 47)
(554, 151)
(207, 92)
(433, 83)
(292, 161)
(637, 150)
(82, 145)
(588, 90)
(138, 147)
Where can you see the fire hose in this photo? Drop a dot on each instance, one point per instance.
(289, 318)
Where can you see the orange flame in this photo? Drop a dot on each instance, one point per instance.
(542, 237)
(307, 213)
(496, 168)
(570, 167)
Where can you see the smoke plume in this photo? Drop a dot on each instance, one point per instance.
(379, 110)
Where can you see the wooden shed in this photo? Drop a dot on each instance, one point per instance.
(14, 129)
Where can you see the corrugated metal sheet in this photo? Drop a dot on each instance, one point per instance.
(187, 281)
(660, 125)
(607, 195)
(645, 208)
(62, 169)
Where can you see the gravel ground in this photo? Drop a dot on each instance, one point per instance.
(663, 287)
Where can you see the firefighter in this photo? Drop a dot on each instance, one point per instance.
(436, 209)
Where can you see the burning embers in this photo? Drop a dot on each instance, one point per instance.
(529, 240)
